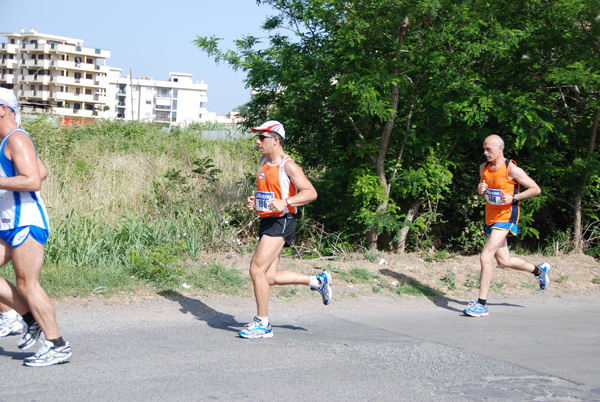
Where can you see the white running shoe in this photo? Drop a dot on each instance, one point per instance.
(30, 337)
(11, 323)
(49, 355)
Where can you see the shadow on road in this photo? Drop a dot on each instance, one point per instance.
(17, 355)
(214, 318)
(434, 295)
(203, 312)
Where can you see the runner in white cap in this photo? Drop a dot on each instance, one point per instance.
(281, 188)
(23, 232)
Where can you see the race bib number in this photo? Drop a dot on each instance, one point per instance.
(493, 196)
(262, 198)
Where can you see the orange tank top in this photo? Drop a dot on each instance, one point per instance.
(273, 183)
(498, 183)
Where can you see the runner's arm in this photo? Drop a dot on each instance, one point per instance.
(21, 151)
(517, 174)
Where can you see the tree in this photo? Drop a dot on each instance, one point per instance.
(390, 101)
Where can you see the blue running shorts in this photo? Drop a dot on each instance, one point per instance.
(15, 237)
(513, 228)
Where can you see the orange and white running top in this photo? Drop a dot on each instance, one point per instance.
(273, 183)
(498, 183)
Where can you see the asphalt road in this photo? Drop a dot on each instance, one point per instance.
(184, 349)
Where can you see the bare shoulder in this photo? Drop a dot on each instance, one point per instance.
(292, 167)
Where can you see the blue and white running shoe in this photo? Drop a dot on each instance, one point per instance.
(475, 309)
(325, 287)
(49, 355)
(256, 330)
(30, 337)
(543, 277)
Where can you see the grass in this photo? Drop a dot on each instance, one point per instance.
(215, 277)
(357, 275)
(414, 288)
(449, 280)
(133, 205)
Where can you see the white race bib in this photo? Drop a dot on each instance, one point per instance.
(262, 198)
(493, 196)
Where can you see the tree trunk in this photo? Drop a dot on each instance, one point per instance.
(578, 237)
(372, 236)
(410, 217)
(577, 205)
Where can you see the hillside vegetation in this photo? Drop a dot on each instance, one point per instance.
(133, 204)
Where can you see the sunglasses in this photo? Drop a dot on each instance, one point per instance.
(262, 136)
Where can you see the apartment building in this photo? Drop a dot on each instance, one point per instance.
(54, 74)
(176, 101)
(57, 76)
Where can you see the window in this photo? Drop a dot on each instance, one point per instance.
(174, 105)
(175, 92)
(88, 76)
(148, 102)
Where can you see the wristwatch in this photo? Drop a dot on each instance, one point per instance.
(288, 202)
(515, 199)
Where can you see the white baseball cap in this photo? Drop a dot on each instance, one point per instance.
(271, 126)
(8, 98)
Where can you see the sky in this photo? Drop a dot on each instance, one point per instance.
(152, 38)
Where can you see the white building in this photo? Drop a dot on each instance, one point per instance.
(178, 100)
(54, 74)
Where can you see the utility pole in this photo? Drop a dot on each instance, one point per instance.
(131, 91)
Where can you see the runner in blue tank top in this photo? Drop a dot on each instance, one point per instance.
(23, 233)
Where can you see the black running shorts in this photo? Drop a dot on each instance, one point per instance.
(284, 226)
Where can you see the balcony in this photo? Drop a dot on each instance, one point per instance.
(9, 63)
(37, 47)
(44, 63)
(9, 48)
(81, 98)
(36, 79)
(71, 65)
(34, 94)
(76, 82)
(84, 51)
(162, 119)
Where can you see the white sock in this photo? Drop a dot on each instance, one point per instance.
(314, 282)
(264, 321)
(11, 314)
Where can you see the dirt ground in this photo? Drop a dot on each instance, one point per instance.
(453, 277)
(355, 278)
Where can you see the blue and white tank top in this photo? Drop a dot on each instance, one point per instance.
(19, 208)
